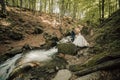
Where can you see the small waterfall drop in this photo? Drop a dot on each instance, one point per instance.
(20, 59)
(35, 56)
(7, 67)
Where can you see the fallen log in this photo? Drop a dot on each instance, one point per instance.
(103, 66)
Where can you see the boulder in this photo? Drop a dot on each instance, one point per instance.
(48, 45)
(67, 48)
(10, 54)
(63, 75)
(14, 51)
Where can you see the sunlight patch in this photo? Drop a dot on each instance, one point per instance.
(5, 23)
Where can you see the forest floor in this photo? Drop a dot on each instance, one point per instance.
(28, 26)
(22, 28)
(19, 29)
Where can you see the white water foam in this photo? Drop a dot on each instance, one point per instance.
(7, 67)
(33, 56)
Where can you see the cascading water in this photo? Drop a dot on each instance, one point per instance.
(35, 56)
(7, 67)
(20, 59)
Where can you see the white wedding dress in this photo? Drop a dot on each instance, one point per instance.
(80, 41)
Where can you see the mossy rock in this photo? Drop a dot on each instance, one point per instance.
(67, 48)
(89, 63)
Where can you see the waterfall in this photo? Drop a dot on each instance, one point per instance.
(7, 67)
(21, 59)
(35, 56)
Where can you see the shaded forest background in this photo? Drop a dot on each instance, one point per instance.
(95, 11)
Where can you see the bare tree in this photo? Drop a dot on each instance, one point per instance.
(102, 16)
(119, 3)
(3, 9)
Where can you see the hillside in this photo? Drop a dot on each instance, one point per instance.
(106, 60)
(20, 29)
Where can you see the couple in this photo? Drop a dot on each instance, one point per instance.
(78, 39)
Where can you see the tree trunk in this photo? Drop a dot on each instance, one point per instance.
(109, 5)
(6, 2)
(21, 3)
(119, 3)
(116, 5)
(102, 16)
(45, 5)
(34, 6)
(62, 8)
(51, 10)
(103, 66)
(17, 4)
(100, 10)
(3, 9)
(13, 3)
(41, 5)
(69, 5)
(74, 10)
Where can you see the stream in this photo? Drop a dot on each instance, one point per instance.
(7, 67)
(33, 56)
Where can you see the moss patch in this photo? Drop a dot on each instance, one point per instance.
(67, 48)
(107, 45)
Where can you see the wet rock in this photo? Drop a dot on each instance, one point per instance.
(47, 45)
(3, 58)
(38, 30)
(63, 75)
(15, 35)
(14, 51)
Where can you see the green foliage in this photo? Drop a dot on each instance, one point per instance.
(80, 9)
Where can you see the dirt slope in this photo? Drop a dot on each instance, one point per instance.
(20, 28)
